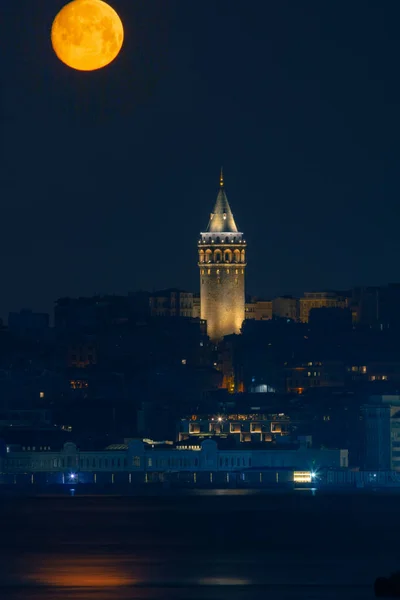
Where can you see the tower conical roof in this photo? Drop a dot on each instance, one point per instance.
(221, 219)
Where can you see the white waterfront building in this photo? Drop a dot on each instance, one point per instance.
(144, 461)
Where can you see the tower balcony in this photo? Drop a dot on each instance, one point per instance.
(213, 243)
(221, 264)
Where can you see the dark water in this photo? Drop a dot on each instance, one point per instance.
(215, 546)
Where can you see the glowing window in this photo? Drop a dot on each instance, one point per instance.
(302, 476)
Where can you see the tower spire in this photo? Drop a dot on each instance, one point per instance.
(221, 178)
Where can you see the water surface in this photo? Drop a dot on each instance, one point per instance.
(203, 545)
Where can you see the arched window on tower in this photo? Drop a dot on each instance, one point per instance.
(218, 240)
(242, 256)
(227, 240)
(228, 256)
(236, 255)
(217, 256)
(208, 256)
(201, 256)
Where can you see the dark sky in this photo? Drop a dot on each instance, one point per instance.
(106, 178)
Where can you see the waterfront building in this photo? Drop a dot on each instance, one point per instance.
(143, 461)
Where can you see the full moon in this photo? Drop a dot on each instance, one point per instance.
(87, 34)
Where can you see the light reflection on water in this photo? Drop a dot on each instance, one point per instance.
(218, 547)
(79, 571)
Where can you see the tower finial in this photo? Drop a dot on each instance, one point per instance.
(221, 178)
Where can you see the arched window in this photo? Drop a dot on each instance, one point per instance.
(201, 256)
(217, 256)
(218, 240)
(242, 256)
(236, 255)
(227, 240)
(228, 256)
(208, 256)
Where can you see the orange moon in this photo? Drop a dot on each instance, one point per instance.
(87, 34)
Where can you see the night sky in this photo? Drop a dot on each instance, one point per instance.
(106, 178)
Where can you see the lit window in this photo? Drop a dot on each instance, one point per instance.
(184, 361)
(302, 476)
(41, 395)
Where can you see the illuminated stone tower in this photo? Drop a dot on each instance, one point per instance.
(222, 262)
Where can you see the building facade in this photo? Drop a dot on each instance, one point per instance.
(140, 461)
(241, 428)
(378, 445)
(312, 300)
(301, 376)
(171, 303)
(259, 310)
(286, 307)
(382, 433)
(222, 263)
